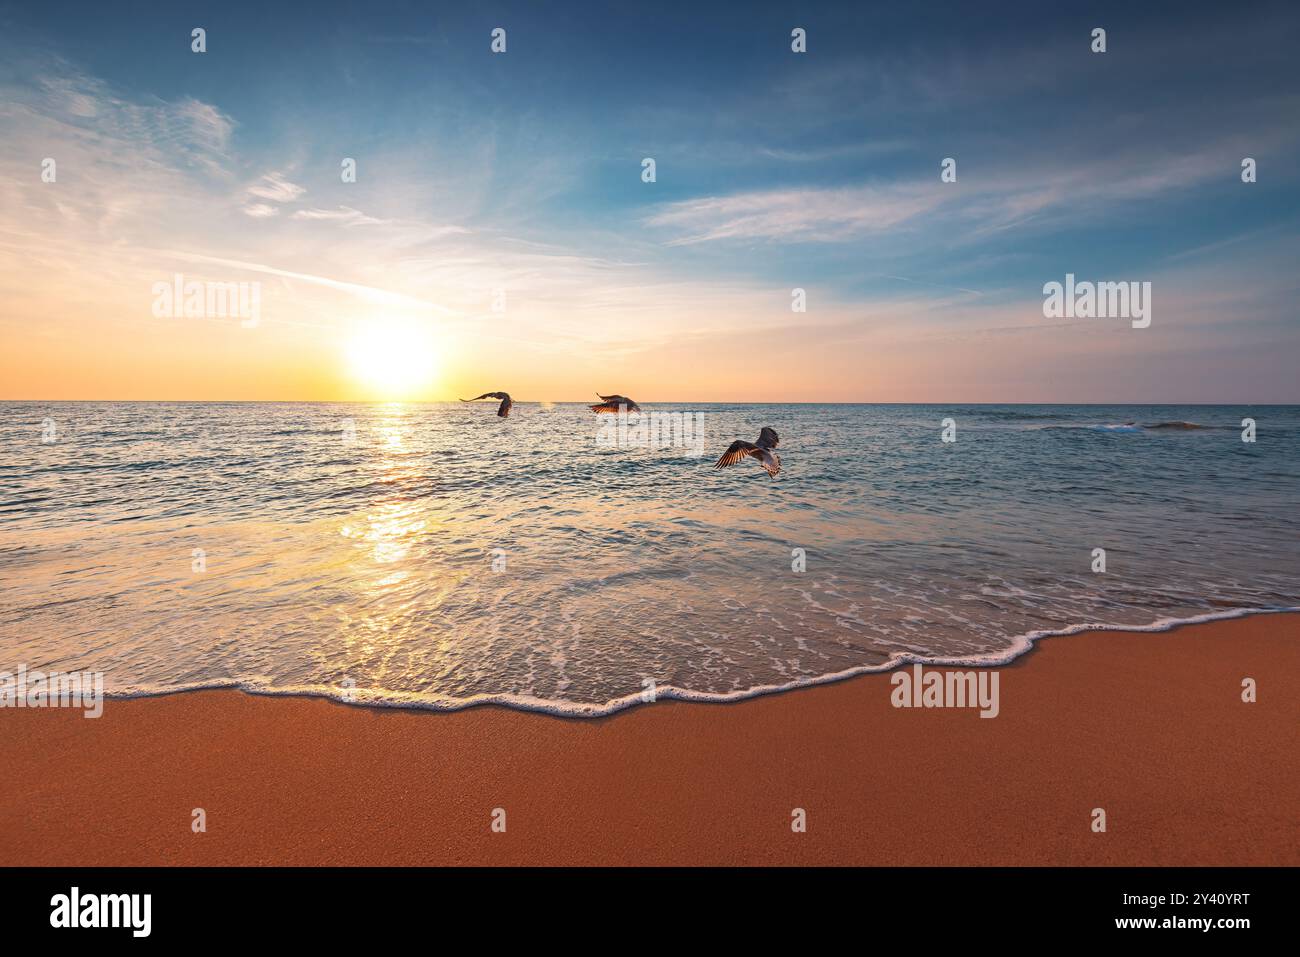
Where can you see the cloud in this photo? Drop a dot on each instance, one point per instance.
(798, 215)
(344, 215)
(369, 293)
(63, 107)
(1047, 192)
(275, 187)
(845, 151)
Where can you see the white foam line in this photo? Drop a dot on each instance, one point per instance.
(572, 709)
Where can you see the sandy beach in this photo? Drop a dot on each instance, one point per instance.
(1150, 727)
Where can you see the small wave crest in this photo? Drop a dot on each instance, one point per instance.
(1184, 426)
(1095, 427)
(1133, 427)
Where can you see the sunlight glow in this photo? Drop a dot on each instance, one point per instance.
(392, 359)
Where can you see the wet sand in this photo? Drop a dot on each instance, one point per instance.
(1149, 727)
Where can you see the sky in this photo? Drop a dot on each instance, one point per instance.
(500, 234)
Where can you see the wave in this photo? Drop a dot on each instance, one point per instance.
(1134, 427)
(1185, 426)
(1008, 415)
(572, 709)
(1100, 427)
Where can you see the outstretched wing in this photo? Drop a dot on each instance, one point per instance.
(767, 438)
(487, 395)
(612, 402)
(504, 409)
(737, 451)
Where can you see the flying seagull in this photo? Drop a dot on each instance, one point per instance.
(761, 450)
(610, 403)
(502, 410)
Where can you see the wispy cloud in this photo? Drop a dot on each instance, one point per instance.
(275, 187)
(1070, 192)
(344, 215)
(795, 215)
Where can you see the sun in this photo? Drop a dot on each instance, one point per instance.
(392, 360)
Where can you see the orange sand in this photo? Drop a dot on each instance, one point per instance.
(1150, 727)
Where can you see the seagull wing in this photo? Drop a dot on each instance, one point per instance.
(767, 438)
(737, 451)
(504, 409)
(610, 403)
(487, 395)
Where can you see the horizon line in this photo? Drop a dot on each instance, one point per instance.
(588, 402)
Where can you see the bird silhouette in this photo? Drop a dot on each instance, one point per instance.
(610, 403)
(761, 450)
(503, 409)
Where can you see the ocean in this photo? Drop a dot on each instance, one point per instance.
(436, 556)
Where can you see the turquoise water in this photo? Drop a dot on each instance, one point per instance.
(435, 555)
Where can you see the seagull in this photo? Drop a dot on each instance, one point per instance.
(610, 403)
(761, 450)
(503, 410)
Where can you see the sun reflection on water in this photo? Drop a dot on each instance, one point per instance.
(390, 529)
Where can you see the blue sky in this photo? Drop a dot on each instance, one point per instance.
(774, 170)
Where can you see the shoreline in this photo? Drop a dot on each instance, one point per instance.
(1148, 725)
(1023, 645)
